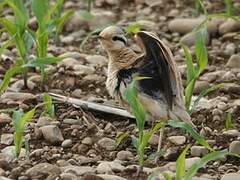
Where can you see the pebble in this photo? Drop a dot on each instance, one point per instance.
(18, 96)
(6, 139)
(198, 151)
(228, 77)
(190, 39)
(2, 172)
(43, 121)
(154, 140)
(9, 153)
(110, 177)
(231, 176)
(4, 118)
(108, 167)
(107, 143)
(152, 3)
(177, 140)
(4, 178)
(68, 62)
(52, 134)
(230, 49)
(125, 155)
(68, 176)
(230, 25)
(234, 147)
(19, 85)
(87, 141)
(83, 70)
(97, 60)
(77, 170)
(234, 61)
(41, 168)
(200, 86)
(67, 143)
(232, 133)
(171, 153)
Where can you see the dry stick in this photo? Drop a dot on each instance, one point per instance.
(91, 105)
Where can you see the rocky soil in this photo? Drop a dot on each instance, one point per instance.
(81, 144)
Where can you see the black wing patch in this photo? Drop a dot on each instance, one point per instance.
(157, 68)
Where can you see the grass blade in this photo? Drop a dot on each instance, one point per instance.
(49, 107)
(201, 50)
(203, 161)
(189, 93)
(180, 164)
(228, 121)
(41, 9)
(190, 130)
(41, 62)
(7, 77)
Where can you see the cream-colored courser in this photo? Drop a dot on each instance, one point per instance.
(162, 93)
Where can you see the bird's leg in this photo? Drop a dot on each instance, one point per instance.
(161, 131)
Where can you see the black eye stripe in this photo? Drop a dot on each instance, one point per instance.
(116, 38)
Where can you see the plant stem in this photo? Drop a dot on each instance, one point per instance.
(89, 5)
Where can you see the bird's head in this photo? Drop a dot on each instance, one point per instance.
(113, 38)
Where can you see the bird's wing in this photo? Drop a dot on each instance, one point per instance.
(161, 55)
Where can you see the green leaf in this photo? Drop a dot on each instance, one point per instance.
(42, 42)
(189, 93)
(41, 10)
(190, 130)
(201, 50)
(87, 16)
(65, 17)
(49, 107)
(133, 28)
(7, 77)
(229, 7)
(26, 117)
(9, 26)
(191, 73)
(20, 12)
(203, 161)
(17, 115)
(121, 138)
(180, 171)
(41, 62)
(228, 121)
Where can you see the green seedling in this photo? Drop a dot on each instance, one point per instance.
(193, 72)
(229, 7)
(187, 174)
(49, 106)
(139, 112)
(19, 121)
(229, 122)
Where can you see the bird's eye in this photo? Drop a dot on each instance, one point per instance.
(117, 38)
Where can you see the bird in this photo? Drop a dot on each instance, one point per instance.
(162, 93)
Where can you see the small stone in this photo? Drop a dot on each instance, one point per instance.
(18, 96)
(222, 106)
(154, 140)
(198, 151)
(110, 177)
(108, 167)
(52, 134)
(77, 170)
(62, 163)
(6, 139)
(43, 121)
(97, 60)
(77, 93)
(19, 85)
(67, 143)
(177, 140)
(83, 69)
(4, 178)
(232, 133)
(87, 141)
(190, 39)
(82, 149)
(200, 86)
(41, 168)
(230, 49)
(68, 176)
(4, 119)
(234, 147)
(231, 176)
(234, 61)
(230, 25)
(107, 143)
(229, 77)
(68, 62)
(171, 153)
(206, 132)
(125, 155)
(9, 153)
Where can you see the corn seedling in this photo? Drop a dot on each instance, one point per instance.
(19, 120)
(48, 106)
(187, 174)
(229, 122)
(193, 72)
(229, 7)
(139, 112)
